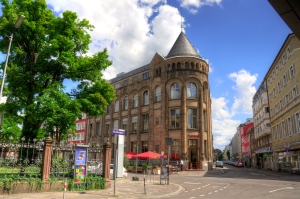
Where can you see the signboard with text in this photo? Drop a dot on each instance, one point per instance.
(81, 155)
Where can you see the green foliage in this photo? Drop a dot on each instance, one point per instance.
(144, 166)
(126, 165)
(46, 52)
(220, 154)
(10, 127)
(228, 154)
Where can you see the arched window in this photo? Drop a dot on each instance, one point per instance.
(158, 94)
(169, 67)
(191, 90)
(178, 65)
(192, 65)
(197, 66)
(173, 66)
(186, 65)
(117, 106)
(125, 103)
(175, 91)
(135, 101)
(146, 97)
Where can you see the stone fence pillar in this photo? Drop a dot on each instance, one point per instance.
(106, 163)
(47, 153)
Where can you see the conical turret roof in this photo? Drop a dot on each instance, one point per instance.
(183, 47)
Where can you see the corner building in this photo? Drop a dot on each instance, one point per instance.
(167, 98)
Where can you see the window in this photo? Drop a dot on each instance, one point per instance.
(146, 75)
(175, 91)
(158, 94)
(125, 103)
(117, 85)
(134, 126)
(284, 80)
(78, 126)
(125, 82)
(286, 99)
(146, 97)
(83, 125)
(288, 51)
(97, 128)
(135, 101)
(294, 92)
(145, 122)
(192, 118)
(83, 115)
(178, 65)
(191, 90)
(133, 147)
(107, 129)
(175, 149)
(135, 79)
(297, 122)
(267, 109)
(175, 117)
(124, 124)
(278, 132)
(205, 120)
(292, 71)
(284, 57)
(108, 110)
(290, 128)
(144, 146)
(117, 106)
(186, 65)
(91, 129)
(278, 86)
(116, 124)
(283, 129)
(193, 143)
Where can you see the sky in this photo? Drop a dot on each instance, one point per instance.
(238, 38)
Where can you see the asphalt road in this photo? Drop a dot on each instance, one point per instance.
(232, 182)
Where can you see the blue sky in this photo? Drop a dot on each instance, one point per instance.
(238, 38)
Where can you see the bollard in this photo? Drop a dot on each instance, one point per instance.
(65, 188)
(144, 185)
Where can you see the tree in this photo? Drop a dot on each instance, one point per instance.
(220, 154)
(228, 154)
(47, 50)
(10, 130)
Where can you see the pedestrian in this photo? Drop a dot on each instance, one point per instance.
(181, 165)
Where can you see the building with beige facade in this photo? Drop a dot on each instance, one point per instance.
(262, 154)
(283, 80)
(167, 98)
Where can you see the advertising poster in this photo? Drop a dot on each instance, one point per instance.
(80, 173)
(80, 156)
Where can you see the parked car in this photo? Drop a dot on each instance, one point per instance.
(112, 172)
(239, 164)
(219, 164)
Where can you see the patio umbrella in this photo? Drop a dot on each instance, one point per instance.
(148, 155)
(129, 154)
(175, 156)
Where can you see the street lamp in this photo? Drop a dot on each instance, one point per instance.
(10, 38)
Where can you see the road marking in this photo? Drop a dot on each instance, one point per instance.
(281, 189)
(191, 183)
(199, 188)
(202, 195)
(221, 189)
(193, 189)
(186, 191)
(210, 193)
(192, 197)
(216, 191)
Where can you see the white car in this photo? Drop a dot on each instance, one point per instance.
(112, 172)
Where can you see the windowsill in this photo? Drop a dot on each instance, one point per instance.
(192, 129)
(145, 132)
(175, 128)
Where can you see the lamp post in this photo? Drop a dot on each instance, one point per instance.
(10, 38)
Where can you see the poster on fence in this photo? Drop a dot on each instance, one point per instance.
(81, 157)
(80, 173)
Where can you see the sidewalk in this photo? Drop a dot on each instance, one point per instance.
(125, 188)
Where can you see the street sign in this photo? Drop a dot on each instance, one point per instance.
(162, 152)
(286, 145)
(287, 150)
(162, 156)
(169, 141)
(118, 131)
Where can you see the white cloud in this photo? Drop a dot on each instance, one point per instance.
(220, 109)
(244, 91)
(193, 5)
(132, 31)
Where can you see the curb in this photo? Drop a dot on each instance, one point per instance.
(180, 188)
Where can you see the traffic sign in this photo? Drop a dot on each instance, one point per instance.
(162, 152)
(169, 141)
(286, 145)
(162, 156)
(118, 131)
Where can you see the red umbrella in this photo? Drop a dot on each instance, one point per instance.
(129, 154)
(148, 155)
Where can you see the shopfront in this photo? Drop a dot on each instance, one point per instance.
(289, 161)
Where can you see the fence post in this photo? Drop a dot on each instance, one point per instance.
(47, 152)
(106, 163)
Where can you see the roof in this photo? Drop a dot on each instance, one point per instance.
(183, 47)
(130, 73)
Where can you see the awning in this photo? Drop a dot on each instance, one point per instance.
(264, 150)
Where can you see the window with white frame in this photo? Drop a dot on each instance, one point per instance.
(278, 132)
(117, 106)
(146, 75)
(284, 57)
(83, 115)
(116, 124)
(294, 93)
(78, 126)
(192, 118)
(83, 125)
(125, 102)
(288, 51)
(191, 90)
(107, 129)
(146, 97)
(175, 91)
(274, 133)
(297, 118)
(158, 94)
(124, 124)
(284, 80)
(290, 127)
(292, 71)
(278, 86)
(135, 101)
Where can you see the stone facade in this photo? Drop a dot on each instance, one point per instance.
(168, 98)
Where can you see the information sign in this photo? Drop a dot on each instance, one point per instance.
(164, 174)
(81, 155)
(118, 131)
(169, 141)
